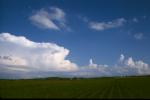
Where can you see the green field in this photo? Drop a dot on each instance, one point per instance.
(129, 87)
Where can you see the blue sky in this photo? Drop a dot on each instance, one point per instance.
(97, 29)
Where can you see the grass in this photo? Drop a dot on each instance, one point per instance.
(129, 87)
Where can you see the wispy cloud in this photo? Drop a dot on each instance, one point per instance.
(54, 18)
(99, 26)
(139, 36)
(135, 20)
(83, 18)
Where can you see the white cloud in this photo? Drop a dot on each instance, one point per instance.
(144, 17)
(91, 64)
(12, 60)
(138, 36)
(135, 20)
(83, 18)
(23, 58)
(57, 14)
(136, 67)
(99, 26)
(121, 59)
(139, 66)
(130, 62)
(54, 19)
(123, 67)
(42, 20)
(19, 53)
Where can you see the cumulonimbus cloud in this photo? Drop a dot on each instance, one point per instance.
(17, 52)
(23, 58)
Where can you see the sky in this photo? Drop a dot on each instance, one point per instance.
(44, 38)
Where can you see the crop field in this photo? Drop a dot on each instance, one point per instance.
(115, 87)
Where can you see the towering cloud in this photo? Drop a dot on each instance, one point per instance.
(20, 53)
(91, 64)
(23, 58)
(123, 67)
(139, 66)
(121, 59)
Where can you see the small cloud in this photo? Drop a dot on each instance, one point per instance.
(83, 18)
(144, 17)
(121, 59)
(99, 26)
(139, 36)
(53, 18)
(135, 20)
(91, 64)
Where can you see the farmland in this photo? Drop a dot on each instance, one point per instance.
(109, 87)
